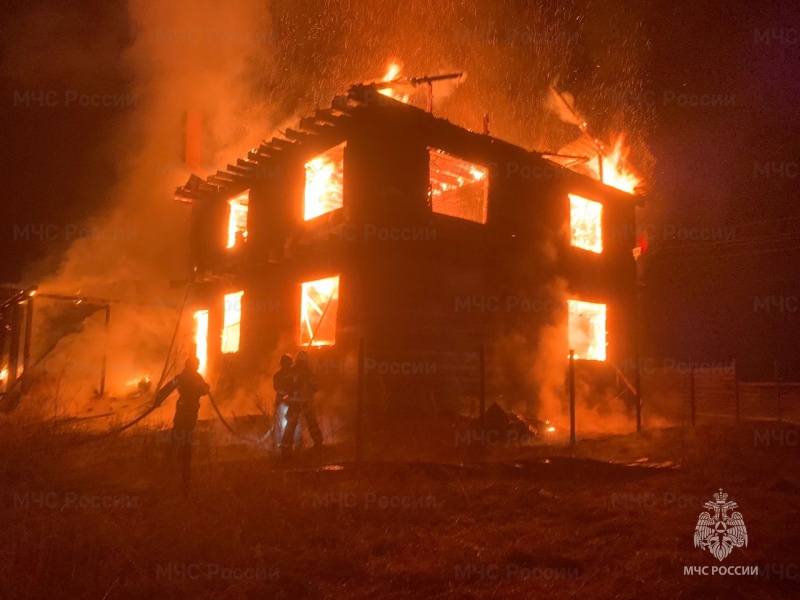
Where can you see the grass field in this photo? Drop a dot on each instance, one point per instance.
(107, 520)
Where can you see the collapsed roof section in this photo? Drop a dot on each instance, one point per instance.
(331, 127)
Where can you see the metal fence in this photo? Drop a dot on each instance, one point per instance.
(703, 395)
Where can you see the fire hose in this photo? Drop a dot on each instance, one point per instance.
(225, 423)
(130, 424)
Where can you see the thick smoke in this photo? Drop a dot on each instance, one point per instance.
(183, 57)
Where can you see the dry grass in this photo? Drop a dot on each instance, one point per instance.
(512, 526)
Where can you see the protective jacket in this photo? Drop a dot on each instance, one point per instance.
(191, 387)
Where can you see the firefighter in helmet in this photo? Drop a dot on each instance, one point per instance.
(191, 387)
(282, 382)
(301, 402)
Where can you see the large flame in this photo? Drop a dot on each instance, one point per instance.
(392, 72)
(616, 170)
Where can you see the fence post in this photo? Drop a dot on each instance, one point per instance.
(691, 393)
(104, 364)
(638, 384)
(360, 397)
(482, 405)
(13, 345)
(26, 346)
(736, 392)
(777, 391)
(571, 397)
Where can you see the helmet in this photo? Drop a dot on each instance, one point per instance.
(192, 363)
(302, 356)
(286, 361)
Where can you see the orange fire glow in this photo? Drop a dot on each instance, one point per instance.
(318, 307)
(136, 381)
(231, 322)
(392, 72)
(616, 170)
(201, 339)
(586, 223)
(3, 375)
(324, 183)
(237, 217)
(587, 329)
(458, 188)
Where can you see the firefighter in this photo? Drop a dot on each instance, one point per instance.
(191, 387)
(301, 402)
(282, 383)
(282, 380)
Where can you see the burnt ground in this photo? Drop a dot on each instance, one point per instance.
(610, 518)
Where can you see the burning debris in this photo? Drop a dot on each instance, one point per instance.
(458, 188)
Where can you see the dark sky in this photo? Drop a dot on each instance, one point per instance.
(721, 270)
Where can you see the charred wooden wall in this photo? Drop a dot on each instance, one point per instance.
(424, 289)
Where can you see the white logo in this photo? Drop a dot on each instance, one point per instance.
(720, 534)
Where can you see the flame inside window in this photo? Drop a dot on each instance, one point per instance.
(318, 307)
(458, 188)
(201, 339)
(586, 223)
(324, 183)
(587, 329)
(237, 218)
(231, 322)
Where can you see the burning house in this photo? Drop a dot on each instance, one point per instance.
(376, 220)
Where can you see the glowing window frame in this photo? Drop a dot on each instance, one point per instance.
(578, 309)
(590, 225)
(201, 339)
(327, 305)
(479, 174)
(237, 206)
(328, 190)
(231, 322)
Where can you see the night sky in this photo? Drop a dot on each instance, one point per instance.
(721, 270)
